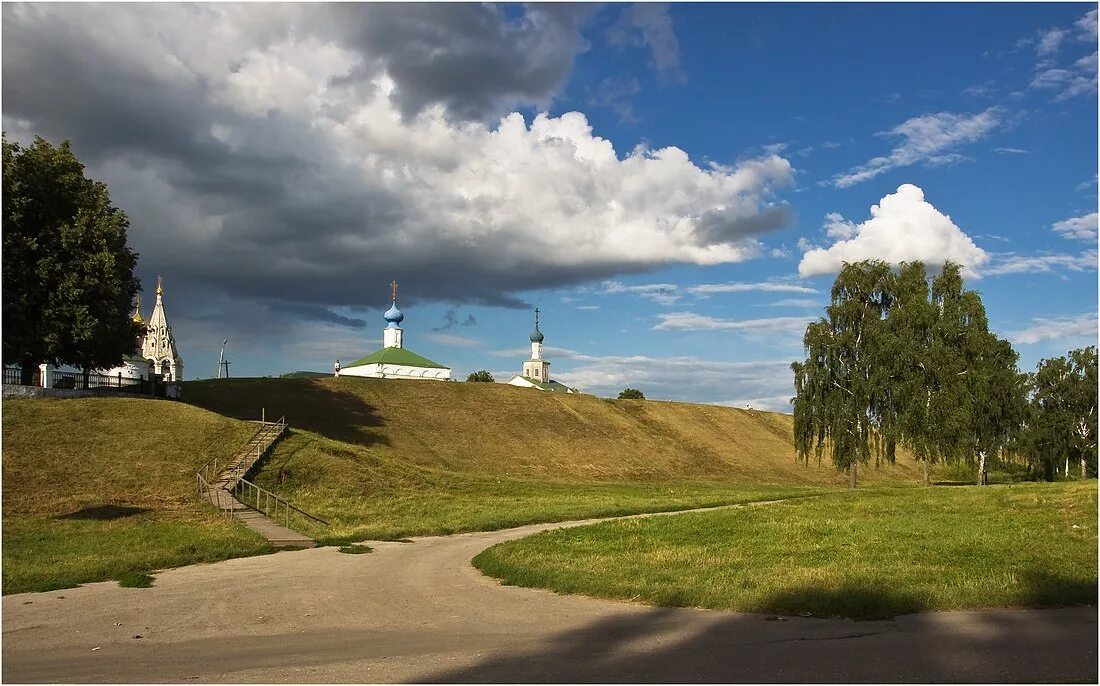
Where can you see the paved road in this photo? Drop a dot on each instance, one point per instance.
(419, 612)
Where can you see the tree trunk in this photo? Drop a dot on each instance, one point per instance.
(852, 475)
(1084, 468)
(1065, 474)
(86, 373)
(983, 469)
(927, 469)
(26, 373)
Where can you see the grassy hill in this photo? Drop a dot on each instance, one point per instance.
(98, 488)
(384, 458)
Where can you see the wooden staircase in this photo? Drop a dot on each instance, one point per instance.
(224, 484)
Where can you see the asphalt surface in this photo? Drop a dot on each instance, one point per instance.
(420, 612)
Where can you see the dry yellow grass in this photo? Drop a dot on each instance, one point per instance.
(103, 488)
(62, 455)
(499, 430)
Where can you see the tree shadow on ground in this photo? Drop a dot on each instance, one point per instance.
(104, 512)
(306, 404)
(656, 645)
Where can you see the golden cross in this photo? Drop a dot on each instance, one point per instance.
(393, 285)
(160, 287)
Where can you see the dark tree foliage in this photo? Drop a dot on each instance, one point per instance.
(68, 275)
(839, 403)
(896, 360)
(631, 394)
(996, 403)
(480, 376)
(1062, 418)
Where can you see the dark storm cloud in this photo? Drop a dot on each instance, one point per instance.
(260, 214)
(451, 321)
(471, 58)
(719, 226)
(314, 313)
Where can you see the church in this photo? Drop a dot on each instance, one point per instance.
(536, 371)
(394, 360)
(155, 350)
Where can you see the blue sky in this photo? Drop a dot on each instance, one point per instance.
(795, 120)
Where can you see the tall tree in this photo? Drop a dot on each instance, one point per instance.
(839, 401)
(996, 402)
(900, 360)
(1062, 426)
(1083, 362)
(68, 275)
(912, 325)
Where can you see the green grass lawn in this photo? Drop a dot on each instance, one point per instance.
(867, 554)
(45, 553)
(104, 488)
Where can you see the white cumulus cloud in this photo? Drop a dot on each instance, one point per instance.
(929, 139)
(903, 227)
(705, 289)
(1080, 228)
(1082, 326)
(689, 321)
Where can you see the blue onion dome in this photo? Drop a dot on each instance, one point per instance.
(393, 315)
(536, 335)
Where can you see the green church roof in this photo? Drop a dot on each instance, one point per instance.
(399, 356)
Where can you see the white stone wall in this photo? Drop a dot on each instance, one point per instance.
(392, 338)
(539, 370)
(396, 371)
(129, 370)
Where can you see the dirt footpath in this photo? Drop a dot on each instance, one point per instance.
(420, 612)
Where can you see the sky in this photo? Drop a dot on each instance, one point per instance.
(674, 186)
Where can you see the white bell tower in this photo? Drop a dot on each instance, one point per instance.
(536, 368)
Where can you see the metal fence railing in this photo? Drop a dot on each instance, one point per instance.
(77, 381)
(13, 376)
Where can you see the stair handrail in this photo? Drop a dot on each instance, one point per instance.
(263, 439)
(268, 497)
(261, 447)
(210, 471)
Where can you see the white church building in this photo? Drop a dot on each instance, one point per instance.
(155, 350)
(394, 360)
(536, 371)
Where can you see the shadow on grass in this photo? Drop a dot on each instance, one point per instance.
(896, 642)
(105, 512)
(306, 404)
(676, 646)
(852, 602)
(1050, 590)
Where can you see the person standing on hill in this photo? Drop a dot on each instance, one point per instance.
(336, 369)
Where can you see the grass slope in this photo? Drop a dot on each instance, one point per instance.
(863, 555)
(102, 488)
(385, 458)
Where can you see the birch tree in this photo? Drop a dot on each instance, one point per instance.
(1063, 412)
(996, 402)
(839, 402)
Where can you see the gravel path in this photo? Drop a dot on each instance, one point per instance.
(420, 612)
